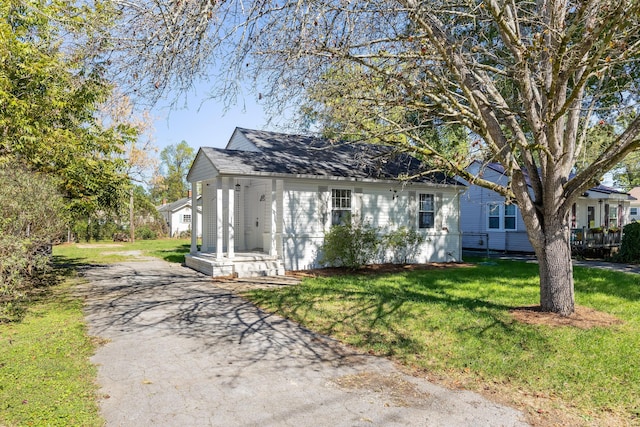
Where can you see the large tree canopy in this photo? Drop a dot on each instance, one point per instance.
(51, 85)
(526, 79)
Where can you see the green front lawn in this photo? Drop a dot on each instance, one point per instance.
(455, 325)
(108, 252)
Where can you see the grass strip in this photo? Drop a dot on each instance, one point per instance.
(45, 374)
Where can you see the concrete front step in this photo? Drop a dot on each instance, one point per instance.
(249, 265)
(258, 268)
(259, 273)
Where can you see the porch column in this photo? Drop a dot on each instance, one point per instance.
(277, 208)
(279, 217)
(273, 250)
(230, 217)
(219, 229)
(194, 218)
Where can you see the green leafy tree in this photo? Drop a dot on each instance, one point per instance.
(146, 215)
(51, 85)
(627, 174)
(171, 181)
(526, 78)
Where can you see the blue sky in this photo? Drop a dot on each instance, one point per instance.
(206, 124)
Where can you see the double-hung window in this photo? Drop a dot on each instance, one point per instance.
(509, 217)
(633, 211)
(426, 211)
(186, 219)
(612, 221)
(501, 217)
(340, 206)
(494, 216)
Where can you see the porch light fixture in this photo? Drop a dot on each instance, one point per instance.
(238, 187)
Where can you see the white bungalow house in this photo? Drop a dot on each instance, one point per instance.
(179, 216)
(488, 223)
(268, 199)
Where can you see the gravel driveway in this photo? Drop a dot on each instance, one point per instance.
(180, 351)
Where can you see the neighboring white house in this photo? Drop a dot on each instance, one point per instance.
(488, 223)
(634, 208)
(179, 216)
(268, 198)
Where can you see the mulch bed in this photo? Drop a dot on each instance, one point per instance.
(582, 317)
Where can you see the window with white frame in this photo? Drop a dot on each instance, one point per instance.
(186, 218)
(509, 217)
(613, 217)
(340, 206)
(426, 211)
(494, 216)
(501, 217)
(633, 211)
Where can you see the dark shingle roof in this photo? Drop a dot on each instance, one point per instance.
(598, 188)
(170, 207)
(310, 156)
(608, 190)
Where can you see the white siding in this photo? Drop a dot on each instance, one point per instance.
(308, 213)
(517, 241)
(201, 169)
(239, 142)
(176, 223)
(636, 217)
(303, 223)
(635, 192)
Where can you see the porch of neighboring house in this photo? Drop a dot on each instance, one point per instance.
(598, 241)
(590, 239)
(242, 228)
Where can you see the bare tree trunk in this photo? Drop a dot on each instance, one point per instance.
(556, 268)
(132, 230)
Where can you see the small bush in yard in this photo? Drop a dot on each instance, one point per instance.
(404, 243)
(145, 233)
(350, 245)
(630, 245)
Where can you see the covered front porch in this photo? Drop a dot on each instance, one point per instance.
(242, 227)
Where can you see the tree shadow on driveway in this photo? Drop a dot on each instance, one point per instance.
(181, 351)
(131, 298)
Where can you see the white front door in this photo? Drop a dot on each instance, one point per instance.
(255, 207)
